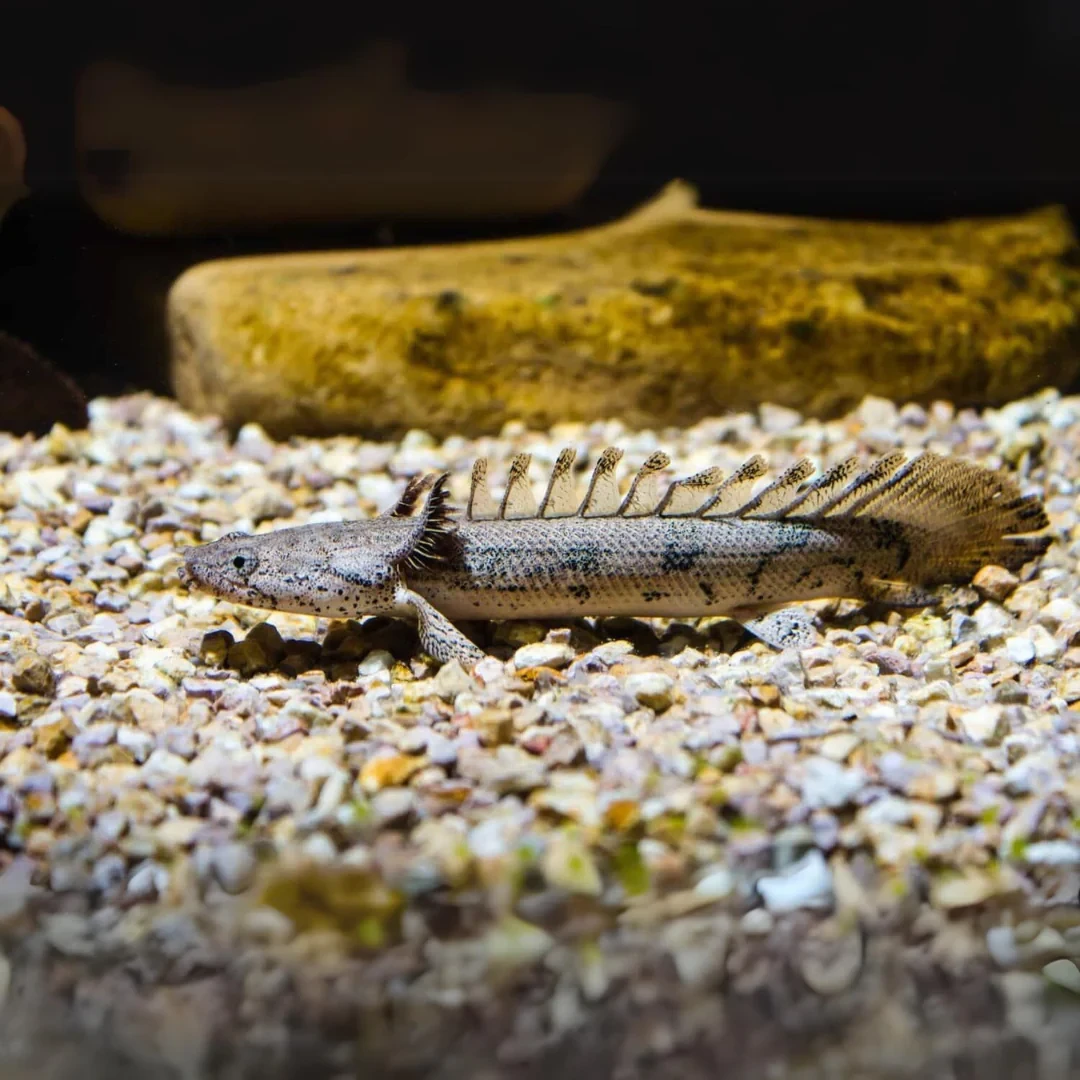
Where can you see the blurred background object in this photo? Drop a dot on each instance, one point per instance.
(834, 108)
(35, 394)
(12, 161)
(338, 144)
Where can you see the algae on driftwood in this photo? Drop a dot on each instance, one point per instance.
(669, 315)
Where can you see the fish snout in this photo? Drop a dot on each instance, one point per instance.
(187, 571)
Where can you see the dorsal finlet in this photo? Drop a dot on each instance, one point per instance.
(602, 498)
(409, 499)
(732, 493)
(687, 497)
(559, 499)
(518, 500)
(823, 490)
(772, 500)
(644, 495)
(482, 507)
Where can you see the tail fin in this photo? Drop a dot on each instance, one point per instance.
(957, 517)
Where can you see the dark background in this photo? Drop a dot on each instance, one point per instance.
(906, 111)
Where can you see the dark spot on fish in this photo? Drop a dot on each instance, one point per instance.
(891, 536)
(754, 576)
(707, 591)
(677, 558)
(580, 560)
(651, 595)
(580, 592)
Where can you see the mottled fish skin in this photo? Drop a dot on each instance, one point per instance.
(707, 546)
(669, 567)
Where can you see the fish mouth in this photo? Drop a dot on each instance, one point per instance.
(186, 570)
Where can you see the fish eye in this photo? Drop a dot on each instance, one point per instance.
(244, 561)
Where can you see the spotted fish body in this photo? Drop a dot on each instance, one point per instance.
(705, 546)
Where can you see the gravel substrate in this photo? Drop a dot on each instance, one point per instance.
(234, 844)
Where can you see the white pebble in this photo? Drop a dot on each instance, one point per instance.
(757, 922)
(1020, 650)
(1053, 853)
(653, 689)
(717, 884)
(234, 867)
(827, 784)
(319, 848)
(392, 804)
(806, 884)
(137, 743)
(552, 654)
(984, 725)
(1047, 647)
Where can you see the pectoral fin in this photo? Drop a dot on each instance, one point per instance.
(439, 638)
(784, 628)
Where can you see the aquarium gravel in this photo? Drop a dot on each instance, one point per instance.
(236, 844)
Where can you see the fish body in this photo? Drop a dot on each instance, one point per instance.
(648, 567)
(706, 546)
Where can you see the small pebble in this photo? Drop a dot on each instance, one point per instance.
(1020, 650)
(806, 884)
(234, 867)
(986, 724)
(1063, 973)
(995, 583)
(215, 647)
(543, 654)
(34, 675)
(652, 689)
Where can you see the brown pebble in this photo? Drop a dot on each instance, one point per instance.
(215, 647)
(36, 610)
(53, 739)
(79, 520)
(268, 638)
(34, 675)
(390, 770)
(765, 694)
(248, 658)
(995, 582)
(301, 656)
(494, 726)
